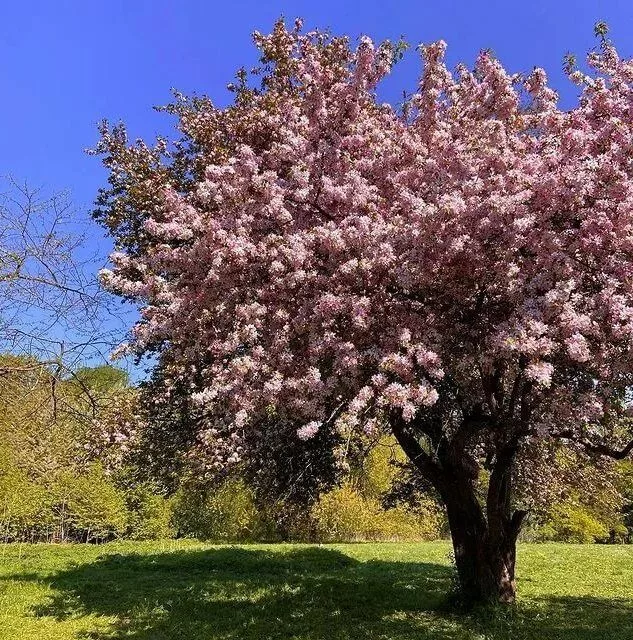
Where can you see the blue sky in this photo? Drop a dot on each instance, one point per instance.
(67, 64)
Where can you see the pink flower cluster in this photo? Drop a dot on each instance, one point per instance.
(343, 258)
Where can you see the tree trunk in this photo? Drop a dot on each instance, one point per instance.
(485, 544)
(484, 539)
(485, 567)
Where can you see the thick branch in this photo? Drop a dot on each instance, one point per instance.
(456, 449)
(599, 448)
(414, 451)
(515, 523)
(500, 492)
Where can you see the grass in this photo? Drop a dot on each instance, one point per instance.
(192, 591)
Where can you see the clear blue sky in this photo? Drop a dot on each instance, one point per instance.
(67, 64)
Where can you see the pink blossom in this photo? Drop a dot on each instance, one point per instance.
(540, 372)
(335, 259)
(308, 430)
(577, 348)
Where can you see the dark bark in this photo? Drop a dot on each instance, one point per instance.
(485, 555)
(484, 539)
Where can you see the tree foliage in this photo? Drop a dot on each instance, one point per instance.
(65, 456)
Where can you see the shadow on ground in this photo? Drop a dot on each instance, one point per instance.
(309, 593)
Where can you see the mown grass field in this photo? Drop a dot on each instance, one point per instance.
(192, 591)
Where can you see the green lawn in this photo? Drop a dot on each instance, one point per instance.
(191, 591)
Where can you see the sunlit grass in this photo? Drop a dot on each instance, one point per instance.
(193, 591)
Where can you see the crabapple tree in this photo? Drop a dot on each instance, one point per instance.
(312, 263)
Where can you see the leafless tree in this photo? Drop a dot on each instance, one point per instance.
(51, 305)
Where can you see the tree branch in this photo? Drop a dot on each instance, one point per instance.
(599, 448)
(414, 451)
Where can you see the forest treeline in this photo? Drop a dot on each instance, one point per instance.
(79, 462)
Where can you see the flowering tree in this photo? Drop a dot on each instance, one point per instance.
(310, 261)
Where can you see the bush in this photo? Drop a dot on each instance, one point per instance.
(399, 524)
(355, 511)
(379, 468)
(625, 468)
(225, 514)
(90, 508)
(344, 515)
(24, 505)
(574, 523)
(284, 521)
(429, 518)
(149, 516)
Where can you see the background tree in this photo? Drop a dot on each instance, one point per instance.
(51, 304)
(54, 316)
(456, 273)
(64, 426)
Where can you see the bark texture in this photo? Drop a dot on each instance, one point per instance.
(484, 535)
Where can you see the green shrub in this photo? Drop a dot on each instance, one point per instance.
(425, 522)
(568, 522)
(398, 524)
(24, 505)
(344, 515)
(284, 521)
(379, 469)
(625, 468)
(89, 506)
(227, 513)
(149, 515)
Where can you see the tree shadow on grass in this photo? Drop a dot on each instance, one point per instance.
(307, 593)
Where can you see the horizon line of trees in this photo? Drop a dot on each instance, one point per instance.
(79, 467)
